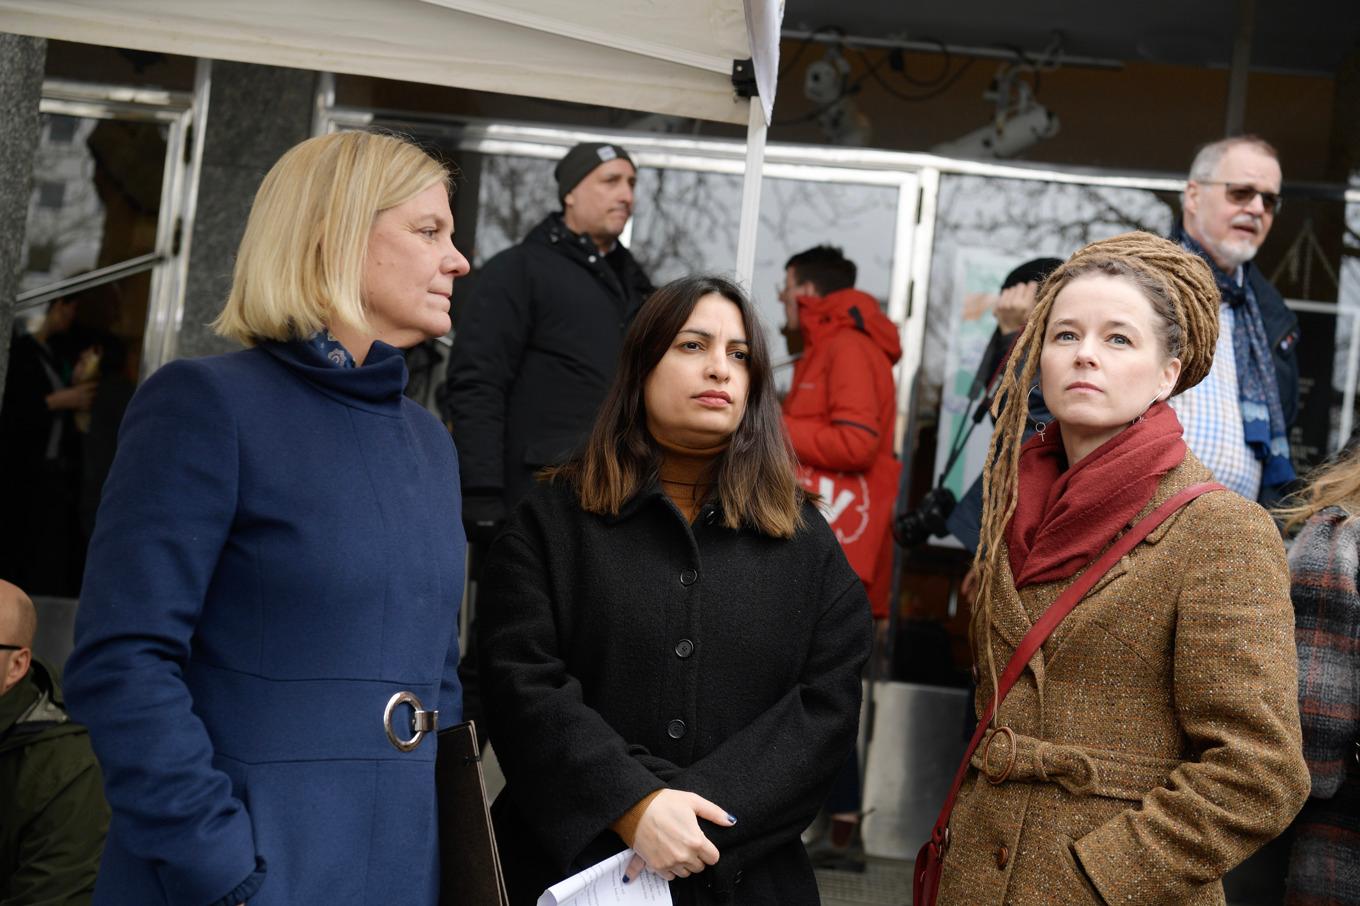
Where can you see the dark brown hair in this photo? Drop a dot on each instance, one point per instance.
(825, 267)
(754, 475)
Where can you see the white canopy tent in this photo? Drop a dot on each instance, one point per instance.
(662, 57)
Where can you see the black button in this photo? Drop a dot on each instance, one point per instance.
(737, 879)
(684, 648)
(675, 729)
(688, 577)
(711, 516)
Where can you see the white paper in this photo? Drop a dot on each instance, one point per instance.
(602, 885)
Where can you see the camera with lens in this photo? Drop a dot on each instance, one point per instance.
(916, 526)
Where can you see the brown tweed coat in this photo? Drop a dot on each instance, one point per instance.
(1156, 735)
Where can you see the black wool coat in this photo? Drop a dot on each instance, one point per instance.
(535, 347)
(635, 652)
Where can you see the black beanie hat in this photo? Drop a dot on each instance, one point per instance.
(577, 163)
(1035, 271)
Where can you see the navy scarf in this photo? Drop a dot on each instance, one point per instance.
(1263, 424)
(323, 348)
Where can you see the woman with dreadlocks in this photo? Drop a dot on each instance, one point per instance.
(1147, 740)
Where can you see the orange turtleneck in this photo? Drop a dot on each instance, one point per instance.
(687, 474)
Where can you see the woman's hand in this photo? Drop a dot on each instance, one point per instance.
(669, 840)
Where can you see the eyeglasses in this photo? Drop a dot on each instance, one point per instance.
(12, 647)
(1241, 194)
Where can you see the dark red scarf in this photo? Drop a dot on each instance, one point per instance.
(1065, 517)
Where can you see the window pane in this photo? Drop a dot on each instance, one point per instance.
(985, 227)
(96, 197)
(53, 461)
(513, 195)
(688, 222)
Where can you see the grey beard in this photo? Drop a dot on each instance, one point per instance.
(1236, 253)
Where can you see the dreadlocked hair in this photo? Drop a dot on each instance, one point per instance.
(1185, 299)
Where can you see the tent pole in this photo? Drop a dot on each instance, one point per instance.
(750, 195)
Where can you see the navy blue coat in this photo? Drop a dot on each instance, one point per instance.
(278, 551)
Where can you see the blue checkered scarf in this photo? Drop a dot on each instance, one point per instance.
(1263, 424)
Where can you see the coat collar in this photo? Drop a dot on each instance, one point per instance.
(822, 317)
(1010, 617)
(376, 386)
(35, 701)
(652, 492)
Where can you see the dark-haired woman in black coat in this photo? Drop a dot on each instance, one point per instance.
(674, 661)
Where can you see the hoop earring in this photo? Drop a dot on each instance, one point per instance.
(1155, 400)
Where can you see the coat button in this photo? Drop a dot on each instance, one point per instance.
(675, 729)
(1003, 855)
(975, 675)
(688, 577)
(684, 648)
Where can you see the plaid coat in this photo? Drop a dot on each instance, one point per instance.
(1156, 734)
(1325, 562)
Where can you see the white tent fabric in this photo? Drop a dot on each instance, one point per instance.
(655, 55)
(660, 56)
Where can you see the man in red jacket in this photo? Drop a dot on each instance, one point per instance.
(840, 414)
(840, 410)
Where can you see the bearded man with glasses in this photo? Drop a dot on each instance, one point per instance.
(1237, 419)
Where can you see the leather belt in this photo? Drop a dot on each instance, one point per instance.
(1007, 756)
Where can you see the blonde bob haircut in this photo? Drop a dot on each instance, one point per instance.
(301, 261)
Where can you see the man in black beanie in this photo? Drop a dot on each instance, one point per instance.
(536, 342)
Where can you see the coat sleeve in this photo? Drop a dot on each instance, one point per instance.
(844, 438)
(493, 330)
(775, 774)
(1235, 688)
(166, 512)
(573, 774)
(1328, 618)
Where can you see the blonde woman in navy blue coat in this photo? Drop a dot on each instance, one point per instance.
(277, 555)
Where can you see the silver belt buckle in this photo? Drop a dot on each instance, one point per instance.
(422, 721)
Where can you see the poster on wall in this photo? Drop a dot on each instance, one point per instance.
(978, 275)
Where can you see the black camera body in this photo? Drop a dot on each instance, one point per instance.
(916, 526)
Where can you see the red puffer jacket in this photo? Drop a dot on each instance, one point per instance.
(840, 410)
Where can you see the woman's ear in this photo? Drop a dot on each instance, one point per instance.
(1171, 373)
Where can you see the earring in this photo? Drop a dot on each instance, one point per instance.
(1155, 400)
(1040, 428)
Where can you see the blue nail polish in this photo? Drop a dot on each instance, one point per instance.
(731, 819)
(626, 879)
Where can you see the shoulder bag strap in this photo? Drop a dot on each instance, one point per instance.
(1043, 628)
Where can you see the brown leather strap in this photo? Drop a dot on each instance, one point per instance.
(1049, 621)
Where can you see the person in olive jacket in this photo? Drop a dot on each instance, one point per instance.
(53, 816)
(674, 664)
